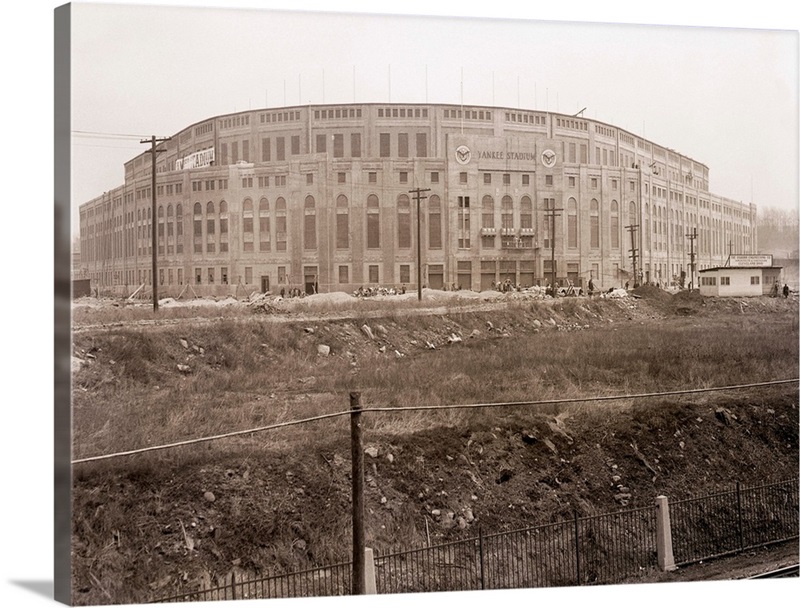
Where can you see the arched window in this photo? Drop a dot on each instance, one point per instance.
(280, 204)
(614, 225)
(373, 222)
(506, 212)
(160, 211)
(263, 204)
(169, 210)
(223, 207)
(525, 212)
(210, 207)
(247, 205)
(342, 223)
(594, 224)
(403, 221)
(487, 213)
(198, 209)
(572, 222)
(198, 222)
(310, 224)
(434, 222)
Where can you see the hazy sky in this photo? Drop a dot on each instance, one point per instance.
(723, 96)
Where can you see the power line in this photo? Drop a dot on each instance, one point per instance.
(101, 134)
(434, 407)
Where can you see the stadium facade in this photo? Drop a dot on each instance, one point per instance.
(321, 198)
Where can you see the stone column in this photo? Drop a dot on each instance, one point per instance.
(666, 560)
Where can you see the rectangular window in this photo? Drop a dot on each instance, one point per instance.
(385, 145)
(342, 231)
(295, 143)
(373, 231)
(338, 145)
(593, 182)
(210, 276)
(310, 232)
(405, 273)
(281, 274)
(355, 145)
(462, 177)
(724, 280)
(372, 177)
(594, 232)
(198, 276)
(246, 151)
(402, 145)
(434, 177)
(404, 230)
(526, 180)
(422, 145)
(280, 148)
(755, 280)
(248, 275)
(309, 179)
(374, 276)
(487, 179)
(548, 180)
(344, 274)
(435, 229)
(342, 177)
(403, 177)
(506, 179)
(235, 152)
(321, 143)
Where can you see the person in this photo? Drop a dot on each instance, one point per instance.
(591, 288)
(785, 290)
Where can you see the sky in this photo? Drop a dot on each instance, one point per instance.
(751, 86)
(724, 96)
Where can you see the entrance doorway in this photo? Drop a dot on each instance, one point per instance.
(264, 284)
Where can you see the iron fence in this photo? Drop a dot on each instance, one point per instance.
(731, 521)
(593, 550)
(315, 582)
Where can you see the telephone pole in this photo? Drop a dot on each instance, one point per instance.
(417, 192)
(692, 236)
(153, 141)
(634, 251)
(552, 213)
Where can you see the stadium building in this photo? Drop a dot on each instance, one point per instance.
(321, 198)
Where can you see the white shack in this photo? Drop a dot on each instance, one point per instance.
(743, 275)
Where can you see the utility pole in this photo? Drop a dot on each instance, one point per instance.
(634, 251)
(357, 455)
(552, 213)
(730, 253)
(692, 236)
(153, 141)
(417, 192)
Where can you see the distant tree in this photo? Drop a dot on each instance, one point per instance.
(778, 230)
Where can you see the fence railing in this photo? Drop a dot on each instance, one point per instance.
(599, 549)
(727, 522)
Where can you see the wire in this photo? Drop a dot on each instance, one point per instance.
(107, 135)
(435, 407)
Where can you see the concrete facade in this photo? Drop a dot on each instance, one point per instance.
(318, 198)
(739, 281)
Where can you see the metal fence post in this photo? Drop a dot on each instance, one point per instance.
(233, 584)
(666, 559)
(357, 455)
(577, 551)
(739, 515)
(480, 553)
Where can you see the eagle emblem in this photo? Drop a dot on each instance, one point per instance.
(463, 155)
(548, 158)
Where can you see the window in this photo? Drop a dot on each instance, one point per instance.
(462, 177)
(526, 212)
(295, 144)
(507, 212)
(572, 222)
(526, 180)
(321, 143)
(548, 180)
(373, 223)
(571, 181)
(403, 177)
(755, 280)
(342, 223)
(434, 222)
(463, 222)
(341, 177)
(422, 145)
(487, 178)
(403, 221)
(310, 224)
(338, 145)
(248, 275)
(373, 274)
(265, 150)
(385, 145)
(344, 274)
(309, 179)
(593, 183)
(506, 179)
(594, 224)
(280, 148)
(724, 280)
(355, 145)
(372, 177)
(487, 217)
(402, 145)
(434, 177)
(281, 274)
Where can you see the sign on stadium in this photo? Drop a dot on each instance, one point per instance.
(751, 260)
(204, 158)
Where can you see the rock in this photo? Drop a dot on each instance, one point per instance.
(185, 369)
(622, 496)
(371, 451)
(469, 516)
(462, 523)
(209, 496)
(436, 512)
(382, 349)
(367, 331)
(184, 343)
(725, 416)
(323, 350)
(529, 438)
(537, 323)
(475, 333)
(384, 500)
(338, 460)
(398, 354)
(430, 346)
(489, 325)
(453, 339)
(390, 458)
(381, 330)
(616, 478)
(623, 489)
(309, 330)
(448, 520)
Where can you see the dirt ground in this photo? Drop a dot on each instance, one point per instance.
(149, 528)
